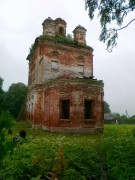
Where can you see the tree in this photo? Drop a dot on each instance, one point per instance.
(15, 98)
(1, 83)
(110, 11)
(6, 120)
(1, 94)
(6, 145)
(106, 107)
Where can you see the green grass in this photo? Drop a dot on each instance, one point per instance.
(40, 134)
(109, 130)
(118, 129)
(72, 156)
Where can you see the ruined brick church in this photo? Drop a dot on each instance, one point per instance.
(63, 95)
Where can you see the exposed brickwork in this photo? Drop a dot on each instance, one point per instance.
(60, 72)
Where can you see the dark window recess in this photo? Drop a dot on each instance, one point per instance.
(88, 109)
(61, 31)
(64, 109)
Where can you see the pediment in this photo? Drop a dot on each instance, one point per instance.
(54, 53)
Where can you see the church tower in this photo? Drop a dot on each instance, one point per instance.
(60, 27)
(79, 34)
(62, 94)
(49, 27)
(54, 27)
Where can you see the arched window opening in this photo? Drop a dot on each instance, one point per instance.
(61, 31)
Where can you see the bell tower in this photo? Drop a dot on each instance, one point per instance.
(62, 94)
(80, 34)
(49, 27)
(60, 27)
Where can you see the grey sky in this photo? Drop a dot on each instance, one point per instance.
(20, 24)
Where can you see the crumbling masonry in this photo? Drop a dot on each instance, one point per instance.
(63, 96)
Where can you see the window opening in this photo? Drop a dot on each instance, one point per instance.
(81, 36)
(54, 66)
(29, 107)
(80, 69)
(32, 107)
(88, 109)
(65, 109)
(61, 31)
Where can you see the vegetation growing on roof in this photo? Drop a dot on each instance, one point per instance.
(31, 50)
(67, 40)
(58, 39)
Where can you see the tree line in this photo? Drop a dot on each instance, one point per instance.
(13, 100)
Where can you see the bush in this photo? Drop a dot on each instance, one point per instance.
(120, 159)
(29, 160)
(22, 133)
(133, 132)
(6, 122)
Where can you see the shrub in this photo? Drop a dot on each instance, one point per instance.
(22, 133)
(119, 157)
(133, 132)
(6, 122)
(29, 160)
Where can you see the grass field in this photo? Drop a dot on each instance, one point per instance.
(109, 130)
(119, 129)
(44, 155)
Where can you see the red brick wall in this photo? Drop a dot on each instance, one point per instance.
(48, 91)
(47, 107)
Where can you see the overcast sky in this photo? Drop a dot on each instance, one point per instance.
(20, 24)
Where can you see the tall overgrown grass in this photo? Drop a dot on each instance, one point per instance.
(43, 155)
